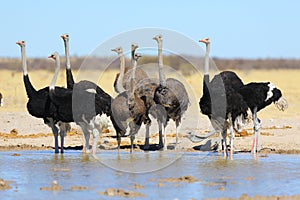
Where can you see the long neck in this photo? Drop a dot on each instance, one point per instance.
(30, 90)
(133, 86)
(52, 85)
(132, 58)
(132, 80)
(206, 70)
(206, 60)
(70, 80)
(162, 79)
(122, 72)
(24, 61)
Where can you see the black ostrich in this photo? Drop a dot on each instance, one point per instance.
(87, 107)
(221, 102)
(170, 96)
(129, 109)
(125, 72)
(102, 103)
(258, 96)
(40, 105)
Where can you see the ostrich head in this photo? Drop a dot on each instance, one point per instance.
(21, 43)
(275, 95)
(137, 56)
(118, 50)
(54, 56)
(134, 47)
(281, 104)
(205, 40)
(165, 96)
(158, 38)
(65, 36)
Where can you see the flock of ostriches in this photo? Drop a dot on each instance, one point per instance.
(225, 101)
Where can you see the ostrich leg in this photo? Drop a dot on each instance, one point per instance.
(95, 141)
(62, 133)
(55, 133)
(224, 135)
(177, 124)
(231, 136)
(146, 146)
(165, 137)
(257, 125)
(258, 134)
(161, 144)
(132, 132)
(86, 138)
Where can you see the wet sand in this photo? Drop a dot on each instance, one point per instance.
(20, 131)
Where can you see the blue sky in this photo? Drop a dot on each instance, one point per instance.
(238, 29)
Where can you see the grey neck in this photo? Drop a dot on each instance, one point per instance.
(53, 82)
(67, 53)
(132, 58)
(162, 79)
(132, 79)
(206, 60)
(24, 61)
(121, 76)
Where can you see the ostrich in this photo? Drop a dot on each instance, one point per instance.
(70, 80)
(129, 108)
(39, 104)
(140, 74)
(145, 90)
(221, 102)
(171, 95)
(87, 86)
(89, 106)
(255, 95)
(258, 96)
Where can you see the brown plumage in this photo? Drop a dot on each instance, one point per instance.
(140, 74)
(129, 108)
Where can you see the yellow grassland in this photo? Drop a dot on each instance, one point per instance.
(12, 87)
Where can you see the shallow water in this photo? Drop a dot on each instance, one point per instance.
(216, 177)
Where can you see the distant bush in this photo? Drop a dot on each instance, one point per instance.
(177, 62)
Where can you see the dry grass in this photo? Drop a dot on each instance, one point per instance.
(12, 88)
